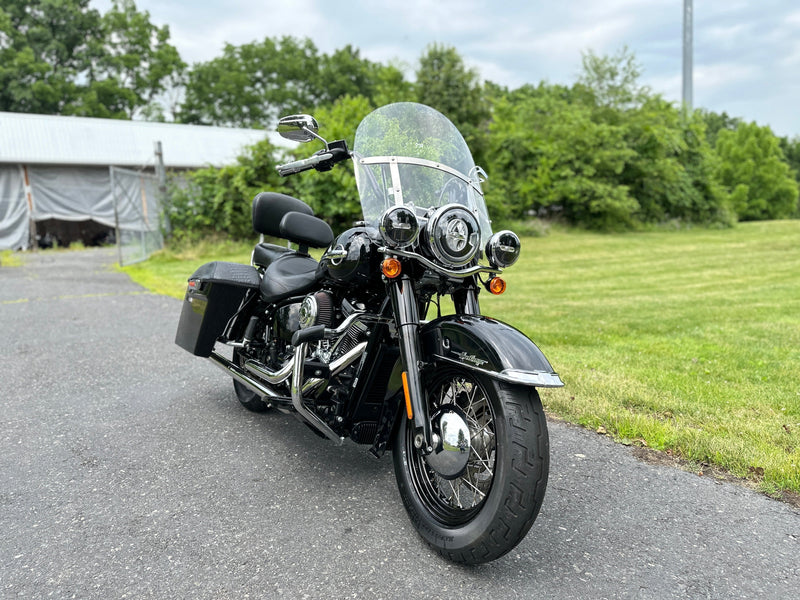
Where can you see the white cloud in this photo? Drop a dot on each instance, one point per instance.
(746, 56)
(791, 59)
(725, 34)
(712, 76)
(668, 86)
(444, 17)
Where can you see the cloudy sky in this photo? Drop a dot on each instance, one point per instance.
(746, 52)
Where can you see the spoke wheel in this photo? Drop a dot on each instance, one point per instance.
(488, 508)
(456, 501)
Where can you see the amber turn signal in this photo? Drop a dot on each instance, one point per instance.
(391, 267)
(497, 285)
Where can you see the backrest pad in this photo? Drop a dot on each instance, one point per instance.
(269, 209)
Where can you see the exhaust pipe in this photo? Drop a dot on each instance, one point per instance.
(242, 377)
(297, 386)
(275, 377)
(297, 397)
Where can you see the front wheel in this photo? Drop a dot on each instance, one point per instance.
(482, 512)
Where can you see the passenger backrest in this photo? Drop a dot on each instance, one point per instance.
(269, 209)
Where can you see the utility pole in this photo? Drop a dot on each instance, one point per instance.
(687, 56)
(161, 175)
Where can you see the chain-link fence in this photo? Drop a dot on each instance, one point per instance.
(137, 214)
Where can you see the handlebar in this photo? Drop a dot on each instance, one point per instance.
(298, 166)
(321, 161)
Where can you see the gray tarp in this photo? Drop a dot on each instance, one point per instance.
(14, 224)
(71, 193)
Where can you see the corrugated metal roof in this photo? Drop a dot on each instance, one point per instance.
(60, 140)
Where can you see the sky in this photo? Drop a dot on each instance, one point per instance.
(746, 53)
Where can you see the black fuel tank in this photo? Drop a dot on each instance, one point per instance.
(353, 258)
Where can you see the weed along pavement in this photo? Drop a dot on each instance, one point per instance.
(128, 469)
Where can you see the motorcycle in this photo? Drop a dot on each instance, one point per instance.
(344, 343)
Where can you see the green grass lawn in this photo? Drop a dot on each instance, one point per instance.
(166, 271)
(685, 341)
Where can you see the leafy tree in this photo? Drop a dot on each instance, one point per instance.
(550, 158)
(446, 84)
(754, 168)
(716, 122)
(62, 57)
(44, 47)
(671, 170)
(391, 86)
(558, 152)
(791, 151)
(670, 173)
(613, 80)
(251, 84)
(134, 64)
(217, 200)
(345, 73)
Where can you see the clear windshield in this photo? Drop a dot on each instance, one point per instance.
(410, 154)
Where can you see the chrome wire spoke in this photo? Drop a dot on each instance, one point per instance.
(474, 488)
(441, 485)
(484, 462)
(478, 427)
(471, 397)
(456, 495)
(459, 498)
(442, 396)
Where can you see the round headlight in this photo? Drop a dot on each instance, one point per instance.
(453, 235)
(503, 249)
(399, 226)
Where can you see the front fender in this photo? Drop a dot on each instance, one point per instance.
(488, 346)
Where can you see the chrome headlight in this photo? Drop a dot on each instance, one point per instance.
(452, 235)
(399, 226)
(503, 249)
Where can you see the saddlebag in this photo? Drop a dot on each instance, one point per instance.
(214, 294)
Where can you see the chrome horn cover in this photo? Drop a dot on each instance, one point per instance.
(452, 446)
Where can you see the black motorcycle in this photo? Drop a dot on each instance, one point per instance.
(345, 343)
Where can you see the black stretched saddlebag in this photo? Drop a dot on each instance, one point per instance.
(213, 296)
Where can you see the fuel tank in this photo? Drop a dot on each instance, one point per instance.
(353, 257)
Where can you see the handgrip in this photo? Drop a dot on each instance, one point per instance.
(303, 165)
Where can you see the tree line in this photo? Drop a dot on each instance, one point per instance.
(604, 153)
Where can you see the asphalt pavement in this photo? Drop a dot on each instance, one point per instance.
(129, 470)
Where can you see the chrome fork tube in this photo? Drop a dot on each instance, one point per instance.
(404, 303)
(466, 300)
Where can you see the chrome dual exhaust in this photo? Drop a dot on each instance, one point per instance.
(295, 368)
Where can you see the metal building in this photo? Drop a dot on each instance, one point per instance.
(59, 169)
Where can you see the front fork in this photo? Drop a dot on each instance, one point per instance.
(406, 312)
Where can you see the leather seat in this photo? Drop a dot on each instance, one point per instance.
(290, 274)
(265, 254)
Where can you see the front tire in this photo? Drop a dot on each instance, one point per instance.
(487, 510)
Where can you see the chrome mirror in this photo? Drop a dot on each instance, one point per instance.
(299, 128)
